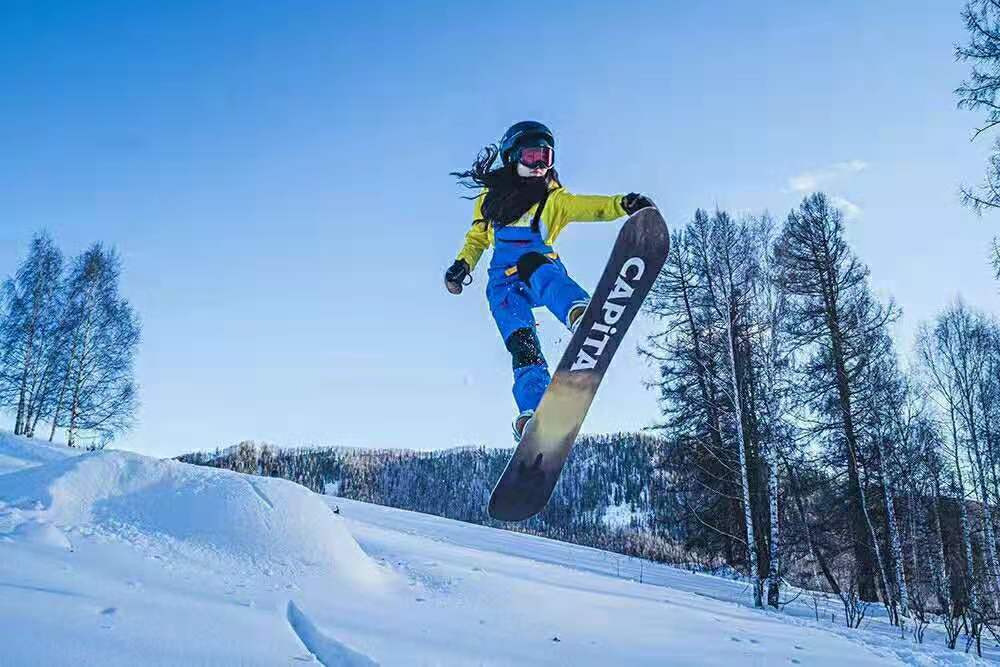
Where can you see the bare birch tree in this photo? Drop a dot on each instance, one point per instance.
(97, 394)
(29, 334)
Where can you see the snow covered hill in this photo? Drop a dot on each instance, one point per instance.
(112, 558)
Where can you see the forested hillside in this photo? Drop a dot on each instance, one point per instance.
(609, 495)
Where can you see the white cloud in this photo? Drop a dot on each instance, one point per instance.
(815, 179)
(852, 166)
(851, 210)
(806, 182)
(809, 181)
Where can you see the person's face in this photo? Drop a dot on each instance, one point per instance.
(531, 172)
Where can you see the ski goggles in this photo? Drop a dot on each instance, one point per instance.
(535, 157)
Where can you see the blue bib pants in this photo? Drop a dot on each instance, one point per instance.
(512, 299)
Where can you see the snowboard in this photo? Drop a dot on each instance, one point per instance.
(532, 472)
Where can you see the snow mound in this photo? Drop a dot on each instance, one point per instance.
(17, 453)
(42, 534)
(200, 513)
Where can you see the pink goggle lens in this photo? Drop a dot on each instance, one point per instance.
(540, 156)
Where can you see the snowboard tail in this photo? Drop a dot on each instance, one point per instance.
(532, 472)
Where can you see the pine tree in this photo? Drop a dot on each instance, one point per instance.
(835, 317)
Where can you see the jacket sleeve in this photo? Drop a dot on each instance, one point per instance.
(588, 208)
(477, 239)
(568, 207)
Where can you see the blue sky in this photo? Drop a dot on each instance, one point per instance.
(275, 177)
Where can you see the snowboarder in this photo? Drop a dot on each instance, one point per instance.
(521, 209)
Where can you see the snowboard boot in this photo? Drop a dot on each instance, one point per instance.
(521, 423)
(576, 312)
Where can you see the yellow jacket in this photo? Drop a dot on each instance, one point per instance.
(561, 208)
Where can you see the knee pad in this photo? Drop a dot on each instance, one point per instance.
(529, 263)
(524, 348)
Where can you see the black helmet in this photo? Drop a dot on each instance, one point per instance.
(525, 133)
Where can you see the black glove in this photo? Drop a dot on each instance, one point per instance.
(633, 201)
(456, 275)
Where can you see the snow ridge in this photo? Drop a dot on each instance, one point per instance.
(326, 649)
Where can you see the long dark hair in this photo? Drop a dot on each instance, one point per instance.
(508, 196)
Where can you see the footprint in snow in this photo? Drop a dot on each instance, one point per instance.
(796, 661)
(735, 639)
(754, 641)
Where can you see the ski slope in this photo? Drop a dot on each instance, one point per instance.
(112, 558)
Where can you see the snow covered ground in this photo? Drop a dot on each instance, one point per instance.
(112, 558)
